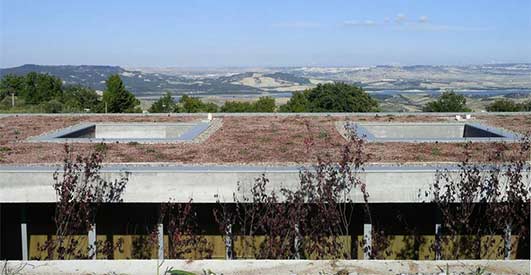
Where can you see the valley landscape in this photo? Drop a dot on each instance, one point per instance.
(398, 88)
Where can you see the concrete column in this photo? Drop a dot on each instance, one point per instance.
(507, 242)
(160, 236)
(367, 240)
(228, 242)
(297, 242)
(438, 241)
(1, 251)
(24, 234)
(92, 242)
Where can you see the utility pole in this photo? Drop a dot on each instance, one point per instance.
(12, 99)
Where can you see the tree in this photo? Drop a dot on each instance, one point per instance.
(188, 104)
(165, 104)
(38, 88)
(449, 101)
(526, 106)
(52, 106)
(298, 103)
(340, 97)
(265, 104)
(505, 105)
(77, 98)
(9, 84)
(237, 107)
(332, 97)
(117, 98)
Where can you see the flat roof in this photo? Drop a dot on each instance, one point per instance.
(244, 139)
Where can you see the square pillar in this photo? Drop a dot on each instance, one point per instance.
(438, 241)
(228, 242)
(24, 238)
(92, 242)
(507, 242)
(367, 240)
(160, 239)
(24, 233)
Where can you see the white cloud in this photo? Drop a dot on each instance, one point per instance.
(359, 23)
(444, 28)
(400, 18)
(298, 24)
(401, 23)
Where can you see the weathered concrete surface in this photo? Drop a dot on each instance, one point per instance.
(428, 132)
(141, 132)
(278, 267)
(276, 114)
(207, 184)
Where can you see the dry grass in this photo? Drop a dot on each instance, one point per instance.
(241, 140)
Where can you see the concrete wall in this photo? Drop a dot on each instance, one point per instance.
(114, 131)
(207, 184)
(280, 267)
(203, 183)
(398, 130)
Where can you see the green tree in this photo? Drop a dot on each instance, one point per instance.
(526, 106)
(210, 107)
(298, 103)
(39, 88)
(9, 84)
(117, 99)
(332, 97)
(503, 105)
(77, 98)
(164, 104)
(265, 104)
(188, 104)
(449, 101)
(340, 97)
(237, 107)
(52, 106)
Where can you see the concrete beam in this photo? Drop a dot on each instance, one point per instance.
(207, 184)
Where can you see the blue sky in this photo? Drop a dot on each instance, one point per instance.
(220, 33)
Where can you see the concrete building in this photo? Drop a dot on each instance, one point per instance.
(183, 158)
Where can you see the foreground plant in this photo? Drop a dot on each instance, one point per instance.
(479, 201)
(309, 220)
(80, 190)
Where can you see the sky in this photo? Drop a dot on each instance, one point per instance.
(248, 33)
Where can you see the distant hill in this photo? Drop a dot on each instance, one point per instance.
(145, 84)
(237, 82)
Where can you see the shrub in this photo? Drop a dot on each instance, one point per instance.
(449, 101)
